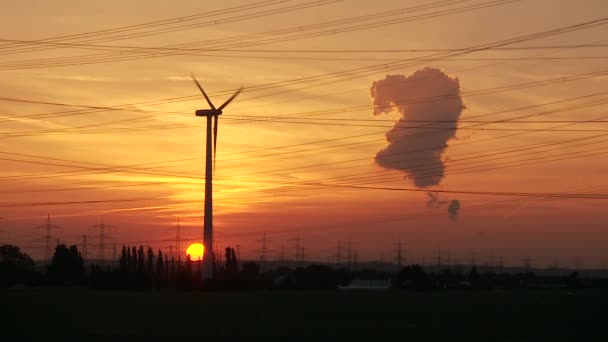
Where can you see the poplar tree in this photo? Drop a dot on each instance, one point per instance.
(150, 261)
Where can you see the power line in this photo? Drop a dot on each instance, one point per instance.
(527, 147)
(94, 36)
(275, 36)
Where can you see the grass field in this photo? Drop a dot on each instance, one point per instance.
(441, 316)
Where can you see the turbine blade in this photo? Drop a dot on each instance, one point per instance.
(231, 98)
(215, 123)
(203, 91)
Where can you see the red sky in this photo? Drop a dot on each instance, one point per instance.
(141, 168)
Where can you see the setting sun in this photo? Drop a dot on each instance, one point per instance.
(196, 251)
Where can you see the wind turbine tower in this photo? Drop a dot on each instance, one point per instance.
(211, 114)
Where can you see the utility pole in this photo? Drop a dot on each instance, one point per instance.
(339, 253)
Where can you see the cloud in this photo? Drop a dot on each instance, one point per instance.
(428, 94)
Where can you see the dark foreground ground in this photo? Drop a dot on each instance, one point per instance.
(301, 316)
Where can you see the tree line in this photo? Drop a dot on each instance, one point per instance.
(141, 269)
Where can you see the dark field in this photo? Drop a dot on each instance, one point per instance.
(441, 316)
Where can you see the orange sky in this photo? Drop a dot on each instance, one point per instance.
(259, 162)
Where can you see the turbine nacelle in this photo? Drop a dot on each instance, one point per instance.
(208, 112)
(213, 112)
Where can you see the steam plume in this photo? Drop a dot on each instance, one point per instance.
(428, 94)
(454, 209)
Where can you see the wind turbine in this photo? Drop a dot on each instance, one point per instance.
(214, 113)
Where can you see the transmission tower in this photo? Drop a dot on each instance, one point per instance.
(399, 256)
(298, 249)
(102, 238)
(48, 227)
(303, 259)
(339, 253)
(264, 248)
(350, 254)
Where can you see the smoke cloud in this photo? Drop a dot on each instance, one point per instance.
(428, 94)
(454, 209)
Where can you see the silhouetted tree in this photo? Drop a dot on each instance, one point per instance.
(172, 272)
(15, 267)
(572, 281)
(166, 267)
(133, 262)
(67, 266)
(150, 261)
(123, 262)
(413, 277)
(160, 264)
(231, 264)
(235, 264)
(199, 264)
(251, 270)
(188, 265)
(140, 259)
(474, 275)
